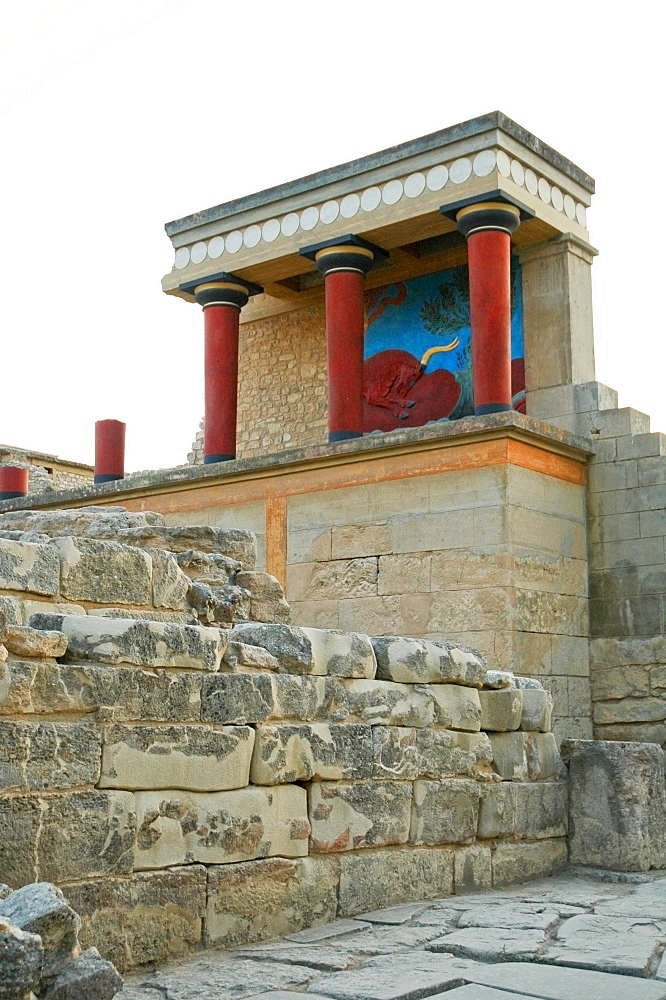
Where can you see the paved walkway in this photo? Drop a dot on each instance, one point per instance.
(571, 937)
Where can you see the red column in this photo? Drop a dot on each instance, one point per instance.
(13, 482)
(221, 324)
(488, 226)
(489, 253)
(109, 450)
(345, 328)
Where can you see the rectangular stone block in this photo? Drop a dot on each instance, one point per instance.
(444, 812)
(169, 584)
(497, 810)
(617, 804)
(237, 698)
(12, 609)
(73, 835)
(382, 703)
(309, 699)
(502, 710)
(178, 827)
(463, 569)
(557, 983)
(443, 754)
(234, 543)
(395, 752)
(537, 710)
(540, 810)
(312, 650)
(189, 757)
(358, 540)
(29, 566)
(347, 815)
(623, 710)
(286, 753)
(456, 707)
(418, 661)
(23, 641)
(104, 572)
(526, 756)
(257, 900)
(144, 643)
(472, 869)
(372, 880)
(329, 581)
(36, 755)
(406, 573)
(524, 861)
(148, 917)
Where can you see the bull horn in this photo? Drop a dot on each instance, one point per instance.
(437, 350)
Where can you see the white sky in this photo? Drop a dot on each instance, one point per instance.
(118, 116)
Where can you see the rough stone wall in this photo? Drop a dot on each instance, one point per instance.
(191, 785)
(282, 385)
(627, 566)
(39, 480)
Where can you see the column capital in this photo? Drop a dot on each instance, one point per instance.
(344, 253)
(221, 289)
(493, 211)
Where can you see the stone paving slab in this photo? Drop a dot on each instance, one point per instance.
(475, 992)
(549, 983)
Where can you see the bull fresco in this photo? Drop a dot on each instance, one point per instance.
(418, 353)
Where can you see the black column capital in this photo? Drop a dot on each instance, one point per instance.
(344, 253)
(221, 289)
(491, 211)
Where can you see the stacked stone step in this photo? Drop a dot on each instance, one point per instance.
(111, 562)
(169, 776)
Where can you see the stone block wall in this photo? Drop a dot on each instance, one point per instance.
(192, 785)
(627, 564)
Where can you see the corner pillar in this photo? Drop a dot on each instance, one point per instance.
(344, 262)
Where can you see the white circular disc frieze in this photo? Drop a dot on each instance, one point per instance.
(517, 172)
(309, 218)
(437, 178)
(557, 199)
(182, 258)
(392, 192)
(216, 247)
(531, 181)
(251, 236)
(329, 212)
(460, 170)
(371, 199)
(544, 190)
(581, 215)
(270, 230)
(349, 206)
(569, 206)
(234, 241)
(289, 224)
(503, 163)
(484, 162)
(198, 253)
(415, 185)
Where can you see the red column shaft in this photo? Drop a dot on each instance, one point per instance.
(221, 389)
(345, 324)
(490, 304)
(13, 480)
(109, 450)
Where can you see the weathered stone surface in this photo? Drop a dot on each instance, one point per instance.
(105, 572)
(30, 567)
(608, 944)
(36, 755)
(496, 679)
(537, 710)
(70, 836)
(49, 608)
(440, 756)
(77, 521)
(540, 810)
(318, 957)
(151, 615)
(267, 601)
(189, 757)
(312, 650)
(169, 584)
(41, 908)
(334, 929)
(617, 804)
(242, 656)
(346, 815)
(88, 977)
(492, 944)
(256, 900)
(560, 983)
(502, 710)
(123, 693)
(12, 609)
(20, 961)
(219, 604)
(444, 812)
(237, 698)
(179, 827)
(456, 707)
(472, 869)
(415, 975)
(543, 757)
(210, 566)
(395, 753)
(233, 543)
(516, 914)
(497, 810)
(523, 861)
(418, 661)
(146, 917)
(383, 702)
(371, 880)
(226, 980)
(285, 753)
(21, 640)
(306, 698)
(526, 756)
(144, 643)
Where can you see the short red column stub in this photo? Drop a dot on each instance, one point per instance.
(13, 481)
(109, 450)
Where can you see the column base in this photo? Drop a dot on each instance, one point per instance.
(11, 495)
(104, 477)
(212, 459)
(480, 411)
(343, 435)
